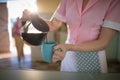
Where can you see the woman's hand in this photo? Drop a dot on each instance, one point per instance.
(60, 52)
(26, 16)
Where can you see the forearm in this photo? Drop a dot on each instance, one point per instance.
(87, 46)
(54, 24)
(101, 43)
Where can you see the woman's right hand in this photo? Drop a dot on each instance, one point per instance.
(26, 16)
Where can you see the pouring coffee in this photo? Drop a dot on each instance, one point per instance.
(35, 39)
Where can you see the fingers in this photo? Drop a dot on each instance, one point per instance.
(55, 58)
(26, 15)
(56, 47)
(59, 52)
(26, 12)
(58, 56)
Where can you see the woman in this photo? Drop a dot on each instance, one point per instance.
(16, 33)
(91, 26)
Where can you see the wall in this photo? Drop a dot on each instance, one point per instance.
(4, 36)
(47, 6)
(113, 49)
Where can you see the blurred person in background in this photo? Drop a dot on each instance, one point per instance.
(16, 33)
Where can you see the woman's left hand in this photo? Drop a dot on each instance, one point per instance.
(59, 52)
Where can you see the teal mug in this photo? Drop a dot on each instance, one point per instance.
(47, 50)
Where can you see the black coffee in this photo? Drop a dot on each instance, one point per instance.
(34, 38)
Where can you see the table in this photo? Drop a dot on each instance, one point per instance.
(54, 75)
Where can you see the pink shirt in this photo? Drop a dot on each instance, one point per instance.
(85, 25)
(16, 30)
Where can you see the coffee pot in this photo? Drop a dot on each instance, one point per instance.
(35, 39)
